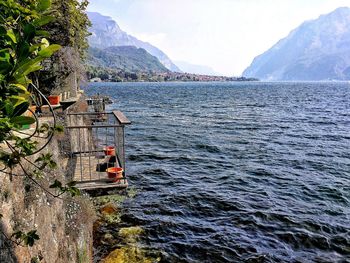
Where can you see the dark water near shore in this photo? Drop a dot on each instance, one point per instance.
(239, 172)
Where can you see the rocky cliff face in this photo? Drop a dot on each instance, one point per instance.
(316, 50)
(105, 32)
(63, 225)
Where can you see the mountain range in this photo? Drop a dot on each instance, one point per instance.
(317, 50)
(126, 58)
(105, 33)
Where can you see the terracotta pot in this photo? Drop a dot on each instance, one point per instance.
(115, 174)
(109, 151)
(54, 99)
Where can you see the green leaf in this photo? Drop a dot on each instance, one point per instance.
(5, 67)
(59, 128)
(20, 108)
(74, 191)
(45, 43)
(44, 128)
(25, 146)
(35, 47)
(5, 55)
(18, 234)
(22, 120)
(9, 108)
(16, 100)
(2, 30)
(47, 52)
(56, 184)
(43, 5)
(26, 67)
(23, 80)
(46, 160)
(5, 64)
(29, 32)
(12, 36)
(30, 238)
(72, 183)
(20, 88)
(42, 33)
(41, 21)
(23, 50)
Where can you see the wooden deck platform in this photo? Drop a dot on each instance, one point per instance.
(90, 133)
(90, 172)
(97, 185)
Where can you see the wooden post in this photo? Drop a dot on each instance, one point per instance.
(122, 121)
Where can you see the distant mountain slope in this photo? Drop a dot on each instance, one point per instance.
(317, 50)
(196, 69)
(127, 58)
(105, 32)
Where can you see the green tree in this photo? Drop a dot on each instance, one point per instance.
(70, 30)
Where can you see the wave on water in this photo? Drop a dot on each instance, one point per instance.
(238, 172)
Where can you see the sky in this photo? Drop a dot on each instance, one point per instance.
(225, 35)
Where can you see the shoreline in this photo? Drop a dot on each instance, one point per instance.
(116, 240)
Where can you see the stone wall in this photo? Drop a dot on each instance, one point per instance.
(64, 225)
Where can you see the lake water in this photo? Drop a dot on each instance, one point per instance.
(239, 172)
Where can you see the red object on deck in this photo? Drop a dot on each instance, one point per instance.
(115, 173)
(109, 151)
(54, 99)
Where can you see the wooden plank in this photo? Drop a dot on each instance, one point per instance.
(101, 185)
(122, 119)
(70, 100)
(93, 126)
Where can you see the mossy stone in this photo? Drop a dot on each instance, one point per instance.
(130, 234)
(129, 254)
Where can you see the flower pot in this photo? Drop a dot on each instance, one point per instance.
(109, 151)
(54, 99)
(115, 174)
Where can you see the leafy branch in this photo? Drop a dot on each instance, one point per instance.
(27, 238)
(23, 48)
(69, 188)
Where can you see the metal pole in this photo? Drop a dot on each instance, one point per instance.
(81, 162)
(89, 149)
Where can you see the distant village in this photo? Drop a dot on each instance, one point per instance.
(104, 75)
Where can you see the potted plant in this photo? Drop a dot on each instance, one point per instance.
(115, 174)
(55, 96)
(109, 151)
(54, 99)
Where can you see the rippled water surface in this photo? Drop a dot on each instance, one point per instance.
(239, 172)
